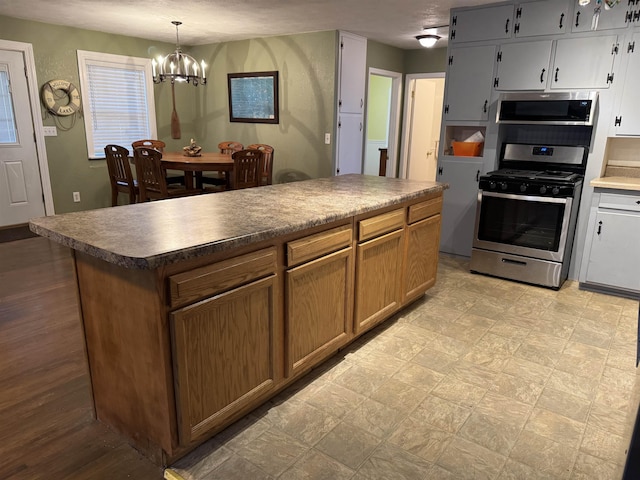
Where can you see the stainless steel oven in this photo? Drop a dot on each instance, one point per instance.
(526, 214)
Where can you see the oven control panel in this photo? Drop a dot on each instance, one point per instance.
(522, 187)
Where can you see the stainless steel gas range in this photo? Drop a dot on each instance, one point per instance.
(526, 213)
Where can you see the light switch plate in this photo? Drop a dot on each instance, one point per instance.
(50, 132)
(327, 138)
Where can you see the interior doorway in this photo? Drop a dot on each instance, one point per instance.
(383, 120)
(422, 121)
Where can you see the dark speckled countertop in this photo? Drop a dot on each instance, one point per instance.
(152, 234)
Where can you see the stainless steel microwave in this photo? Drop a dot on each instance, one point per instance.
(555, 108)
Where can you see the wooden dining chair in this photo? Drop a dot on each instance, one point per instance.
(173, 177)
(120, 175)
(247, 168)
(267, 162)
(219, 179)
(152, 180)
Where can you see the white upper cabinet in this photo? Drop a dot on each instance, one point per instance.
(486, 23)
(627, 117)
(619, 17)
(468, 86)
(548, 17)
(584, 62)
(353, 73)
(523, 66)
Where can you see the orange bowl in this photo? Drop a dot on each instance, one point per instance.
(467, 149)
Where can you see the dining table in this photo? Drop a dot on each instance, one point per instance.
(194, 166)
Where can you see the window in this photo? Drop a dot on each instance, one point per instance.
(8, 132)
(117, 97)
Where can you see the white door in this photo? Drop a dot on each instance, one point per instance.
(349, 143)
(426, 115)
(20, 185)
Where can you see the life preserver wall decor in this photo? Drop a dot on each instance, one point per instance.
(51, 99)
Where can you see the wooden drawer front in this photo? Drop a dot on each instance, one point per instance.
(423, 210)
(216, 278)
(314, 246)
(380, 224)
(620, 202)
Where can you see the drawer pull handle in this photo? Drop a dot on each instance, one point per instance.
(637, 202)
(514, 262)
(599, 227)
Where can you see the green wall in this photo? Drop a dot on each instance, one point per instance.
(378, 107)
(306, 65)
(425, 60)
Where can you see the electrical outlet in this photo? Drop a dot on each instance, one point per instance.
(327, 138)
(50, 131)
(76, 197)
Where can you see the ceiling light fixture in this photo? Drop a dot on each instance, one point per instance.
(428, 41)
(178, 66)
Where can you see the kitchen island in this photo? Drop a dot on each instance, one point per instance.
(196, 310)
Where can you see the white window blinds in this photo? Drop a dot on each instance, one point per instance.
(8, 131)
(117, 93)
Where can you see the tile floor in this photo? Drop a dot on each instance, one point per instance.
(481, 379)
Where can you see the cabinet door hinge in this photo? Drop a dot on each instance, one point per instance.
(454, 20)
(446, 109)
(453, 34)
(610, 78)
(450, 59)
(341, 44)
(614, 49)
(499, 57)
(618, 121)
(519, 12)
(439, 170)
(628, 17)
(631, 47)
(496, 82)
(636, 15)
(516, 28)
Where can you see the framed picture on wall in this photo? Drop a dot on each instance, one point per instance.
(253, 97)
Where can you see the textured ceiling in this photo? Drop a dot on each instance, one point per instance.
(395, 23)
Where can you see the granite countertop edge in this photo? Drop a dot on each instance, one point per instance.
(71, 229)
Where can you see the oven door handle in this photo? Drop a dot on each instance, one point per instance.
(531, 198)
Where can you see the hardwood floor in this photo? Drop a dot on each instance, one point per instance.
(47, 429)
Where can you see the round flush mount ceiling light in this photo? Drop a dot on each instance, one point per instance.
(428, 41)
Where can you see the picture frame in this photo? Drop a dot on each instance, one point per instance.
(253, 97)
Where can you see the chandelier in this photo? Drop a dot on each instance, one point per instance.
(178, 66)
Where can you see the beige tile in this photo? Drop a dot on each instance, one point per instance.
(202, 461)
(419, 439)
(399, 395)
(303, 422)
(602, 313)
(389, 461)
(550, 458)
(610, 419)
(436, 472)
(418, 376)
(574, 385)
(622, 358)
(493, 433)
(513, 470)
(361, 380)
(468, 460)
(474, 374)
(378, 361)
(492, 351)
(582, 360)
(450, 345)
(238, 468)
(603, 444)
(519, 367)
(504, 408)
(314, 465)
(555, 427)
(273, 452)
(488, 307)
(615, 388)
(588, 467)
(630, 309)
(509, 330)
(457, 391)
(558, 324)
(400, 348)
(435, 360)
(520, 388)
(336, 400)
(414, 334)
(541, 348)
(375, 417)
(441, 414)
(348, 445)
(242, 432)
(593, 333)
(563, 403)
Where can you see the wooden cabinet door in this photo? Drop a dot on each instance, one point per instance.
(226, 352)
(378, 279)
(547, 17)
(421, 257)
(523, 66)
(485, 23)
(468, 84)
(583, 62)
(319, 303)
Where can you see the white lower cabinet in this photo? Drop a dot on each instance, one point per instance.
(459, 203)
(611, 259)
